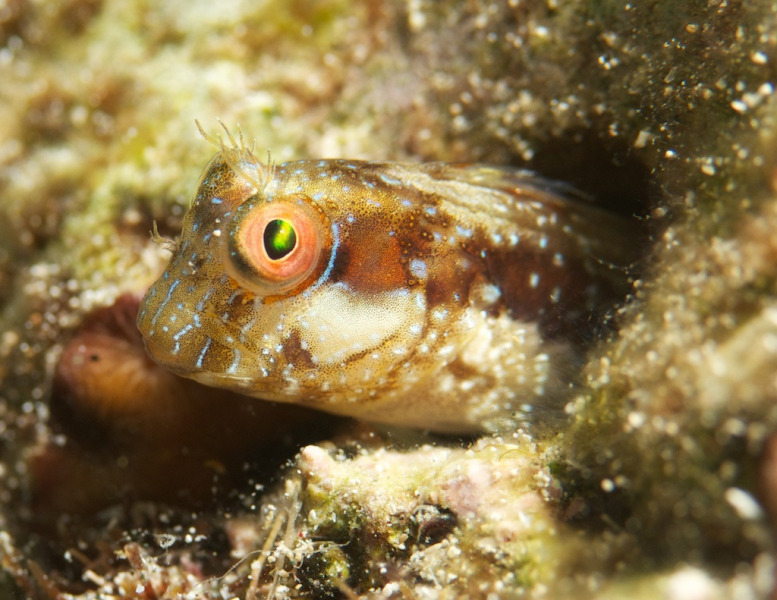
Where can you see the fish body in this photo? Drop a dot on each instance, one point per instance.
(445, 297)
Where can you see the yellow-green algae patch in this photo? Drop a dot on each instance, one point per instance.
(683, 402)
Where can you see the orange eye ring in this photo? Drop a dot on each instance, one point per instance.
(275, 247)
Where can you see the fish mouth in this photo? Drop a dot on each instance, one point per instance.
(267, 386)
(188, 360)
(236, 383)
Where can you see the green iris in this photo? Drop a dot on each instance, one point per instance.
(279, 238)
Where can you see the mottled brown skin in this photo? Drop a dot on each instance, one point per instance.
(445, 297)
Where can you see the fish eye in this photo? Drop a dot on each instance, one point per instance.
(275, 247)
(280, 239)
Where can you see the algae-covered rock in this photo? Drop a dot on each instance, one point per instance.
(472, 522)
(663, 480)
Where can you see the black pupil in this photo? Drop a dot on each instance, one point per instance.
(279, 238)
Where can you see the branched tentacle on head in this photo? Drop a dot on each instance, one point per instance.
(166, 243)
(241, 157)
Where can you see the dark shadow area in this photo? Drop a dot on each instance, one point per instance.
(607, 170)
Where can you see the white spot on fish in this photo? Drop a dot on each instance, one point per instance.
(418, 268)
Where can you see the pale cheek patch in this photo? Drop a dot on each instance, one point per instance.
(343, 323)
